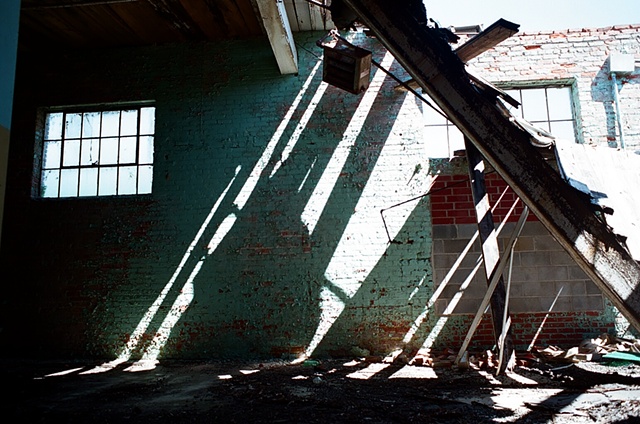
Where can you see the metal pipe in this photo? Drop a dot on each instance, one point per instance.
(618, 112)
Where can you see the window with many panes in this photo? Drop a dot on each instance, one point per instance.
(548, 108)
(97, 152)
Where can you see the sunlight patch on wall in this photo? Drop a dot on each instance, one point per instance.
(331, 306)
(185, 297)
(262, 163)
(137, 334)
(439, 325)
(306, 117)
(325, 186)
(365, 240)
(393, 180)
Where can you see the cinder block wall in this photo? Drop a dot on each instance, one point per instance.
(547, 292)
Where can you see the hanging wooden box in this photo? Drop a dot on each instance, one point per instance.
(346, 66)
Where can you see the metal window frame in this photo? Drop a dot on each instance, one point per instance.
(82, 110)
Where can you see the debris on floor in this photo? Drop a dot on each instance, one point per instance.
(596, 349)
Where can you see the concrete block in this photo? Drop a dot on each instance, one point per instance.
(591, 288)
(535, 258)
(576, 273)
(553, 273)
(588, 303)
(524, 274)
(445, 231)
(546, 242)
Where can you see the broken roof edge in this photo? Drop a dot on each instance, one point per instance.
(610, 177)
(588, 240)
(582, 30)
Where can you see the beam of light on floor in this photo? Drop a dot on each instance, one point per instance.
(318, 200)
(302, 124)
(262, 163)
(65, 372)
(365, 239)
(369, 371)
(412, 371)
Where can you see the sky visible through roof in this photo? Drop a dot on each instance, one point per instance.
(538, 15)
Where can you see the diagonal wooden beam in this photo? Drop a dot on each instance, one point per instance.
(490, 250)
(508, 149)
(276, 24)
(487, 39)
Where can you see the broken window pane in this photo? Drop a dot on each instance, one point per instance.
(73, 123)
(91, 124)
(559, 103)
(534, 105)
(129, 122)
(107, 181)
(51, 154)
(88, 182)
(53, 126)
(49, 183)
(127, 180)
(110, 124)
(89, 152)
(109, 151)
(69, 183)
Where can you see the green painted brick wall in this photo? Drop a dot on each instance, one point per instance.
(81, 275)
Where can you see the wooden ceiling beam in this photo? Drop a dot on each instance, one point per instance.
(276, 24)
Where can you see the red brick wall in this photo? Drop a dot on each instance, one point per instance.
(452, 202)
(558, 329)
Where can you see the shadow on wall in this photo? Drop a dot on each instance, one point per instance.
(303, 248)
(602, 91)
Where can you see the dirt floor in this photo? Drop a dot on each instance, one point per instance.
(326, 391)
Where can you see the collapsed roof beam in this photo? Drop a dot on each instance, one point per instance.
(276, 24)
(507, 147)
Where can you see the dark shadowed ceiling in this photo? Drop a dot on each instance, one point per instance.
(102, 23)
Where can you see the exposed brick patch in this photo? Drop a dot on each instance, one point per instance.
(452, 201)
